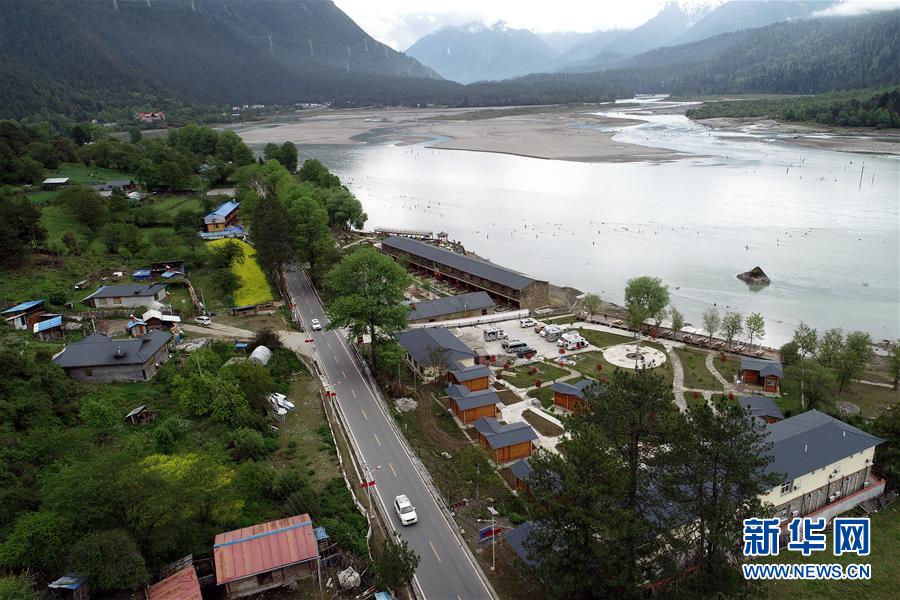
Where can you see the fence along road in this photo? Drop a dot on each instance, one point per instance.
(447, 569)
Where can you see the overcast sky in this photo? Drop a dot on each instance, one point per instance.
(399, 23)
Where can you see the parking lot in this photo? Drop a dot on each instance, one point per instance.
(473, 337)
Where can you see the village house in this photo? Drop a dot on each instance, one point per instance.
(106, 189)
(25, 314)
(54, 183)
(761, 407)
(159, 269)
(570, 396)
(135, 327)
(142, 275)
(430, 351)
(151, 116)
(825, 464)
(472, 304)
(154, 319)
(102, 359)
(51, 328)
(505, 442)
(521, 470)
(140, 415)
(116, 296)
(476, 377)
(761, 372)
(266, 556)
(503, 285)
(469, 406)
(71, 586)
(181, 585)
(224, 222)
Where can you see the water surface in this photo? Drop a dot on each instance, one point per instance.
(822, 224)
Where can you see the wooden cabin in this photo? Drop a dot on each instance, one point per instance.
(571, 396)
(521, 470)
(470, 406)
(762, 407)
(181, 585)
(762, 372)
(476, 377)
(505, 442)
(262, 557)
(24, 315)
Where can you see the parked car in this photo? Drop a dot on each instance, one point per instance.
(569, 336)
(203, 320)
(406, 512)
(539, 327)
(525, 352)
(512, 345)
(527, 322)
(316, 326)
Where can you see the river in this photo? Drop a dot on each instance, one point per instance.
(824, 225)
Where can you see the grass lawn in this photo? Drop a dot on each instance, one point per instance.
(730, 367)
(171, 205)
(524, 378)
(696, 375)
(254, 285)
(542, 425)
(602, 339)
(80, 173)
(884, 558)
(872, 400)
(544, 394)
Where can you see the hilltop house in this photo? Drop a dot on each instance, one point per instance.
(762, 372)
(505, 442)
(50, 328)
(116, 296)
(102, 359)
(266, 556)
(472, 304)
(469, 406)
(430, 351)
(224, 222)
(53, 183)
(570, 396)
(25, 314)
(825, 464)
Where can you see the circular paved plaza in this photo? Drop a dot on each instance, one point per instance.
(623, 356)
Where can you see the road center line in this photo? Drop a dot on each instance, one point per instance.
(391, 465)
(352, 391)
(377, 441)
(344, 373)
(435, 551)
(365, 416)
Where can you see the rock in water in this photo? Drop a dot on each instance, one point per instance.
(755, 276)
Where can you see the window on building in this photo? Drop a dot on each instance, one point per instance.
(88, 372)
(786, 487)
(117, 300)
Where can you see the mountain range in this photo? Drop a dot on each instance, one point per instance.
(473, 53)
(92, 59)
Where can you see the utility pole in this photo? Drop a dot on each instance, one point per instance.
(271, 47)
(310, 48)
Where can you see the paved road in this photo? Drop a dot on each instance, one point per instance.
(446, 570)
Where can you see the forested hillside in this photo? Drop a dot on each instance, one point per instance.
(853, 108)
(80, 56)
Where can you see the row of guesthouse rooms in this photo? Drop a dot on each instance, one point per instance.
(435, 354)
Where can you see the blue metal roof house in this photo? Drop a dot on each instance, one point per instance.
(24, 314)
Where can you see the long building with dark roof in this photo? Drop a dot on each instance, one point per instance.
(504, 286)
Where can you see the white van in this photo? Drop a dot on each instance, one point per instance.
(569, 336)
(527, 322)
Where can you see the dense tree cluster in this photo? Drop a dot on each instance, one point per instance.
(641, 492)
(80, 490)
(856, 108)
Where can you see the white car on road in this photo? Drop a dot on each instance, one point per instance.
(406, 512)
(316, 325)
(527, 322)
(203, 320)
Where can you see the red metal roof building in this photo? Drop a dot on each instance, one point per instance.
(266, 556)
(182, 585)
